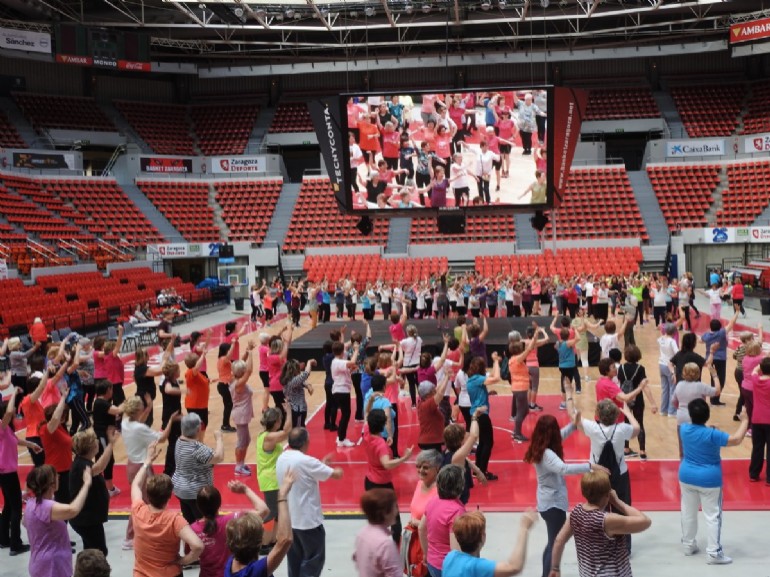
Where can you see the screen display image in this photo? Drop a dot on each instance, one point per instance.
(422, 150)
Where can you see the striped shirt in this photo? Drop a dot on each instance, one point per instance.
(193, 470)
(598, 555)
(295, 392)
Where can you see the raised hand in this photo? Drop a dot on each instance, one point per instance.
(237, 487)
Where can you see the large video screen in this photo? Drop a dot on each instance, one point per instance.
(427, 151)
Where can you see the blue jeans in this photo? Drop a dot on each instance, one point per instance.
(307, 554)
(432, 571)
(667, 385)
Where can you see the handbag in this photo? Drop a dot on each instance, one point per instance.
(411, 553)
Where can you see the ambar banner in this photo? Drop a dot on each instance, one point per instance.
(44, 161)
(165, 165)
(747, 31)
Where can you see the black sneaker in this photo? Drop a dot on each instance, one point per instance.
(19, 550)
(490, 476)
(736, 418)
(519, 438)
(718, 403)
(629, 454)
(227, 429)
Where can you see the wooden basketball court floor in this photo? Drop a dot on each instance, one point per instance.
(654, 482)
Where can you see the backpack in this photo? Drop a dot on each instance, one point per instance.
(608, 459)
(505, 370)
(627, 385)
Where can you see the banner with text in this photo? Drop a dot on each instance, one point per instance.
(44, 161)
(103, 62)
(234, 164)
(756, 143)
(165, 165)
(185, 250)
(739, 235)
(747, 31)
(25, 40)
(682, 148)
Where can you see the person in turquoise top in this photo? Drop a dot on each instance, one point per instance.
(269, 448)
(470, 531)
(375, 399)
(477, 391)
(565, 348)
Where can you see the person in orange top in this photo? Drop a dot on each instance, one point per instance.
(517, 366)
(369, 140)
(157, 530)
(37, 332)
(197, 399)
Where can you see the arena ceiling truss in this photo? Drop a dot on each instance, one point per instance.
(262, 31)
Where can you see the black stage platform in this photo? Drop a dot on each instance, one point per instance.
(310, 345)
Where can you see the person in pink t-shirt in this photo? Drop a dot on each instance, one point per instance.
(397, 324)
(606, 388)
(375, 554)
(279, 350)
(211, 529)
(113, 367)
(436, 525)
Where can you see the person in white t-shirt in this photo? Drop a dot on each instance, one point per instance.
(667, 348)
(308, 550)
(342, 385)
(411, 348)
(611, 337)
(610, 426)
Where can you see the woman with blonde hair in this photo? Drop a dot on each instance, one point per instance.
(137, 437)
(599, 535)
(243, 410)
(269, 448)
(89, 523)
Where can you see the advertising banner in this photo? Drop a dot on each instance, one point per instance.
(103, 62)
(747, 31)
(756, 143)
(759, 234)
(681, 148)
(160, 164)
(234, 164)
(185, 250)
(725, 235)
(569, 109)
(44, 161)
(25, 40)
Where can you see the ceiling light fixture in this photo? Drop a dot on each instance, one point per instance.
(426, 8)
(369, 11)
(290, 13)
(408, 9)
(486, 5)
(501, 4)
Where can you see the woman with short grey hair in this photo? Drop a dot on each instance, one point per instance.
(194, 465)
(440, 513)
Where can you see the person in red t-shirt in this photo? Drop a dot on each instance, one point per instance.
(57, 445)
(379, 461)
(606, 388)
(430, 418)
(369, 140)
(391, 145)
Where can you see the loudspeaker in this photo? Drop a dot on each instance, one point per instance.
(365, 226)
(226, 251)
(451, 223)
(539, 221)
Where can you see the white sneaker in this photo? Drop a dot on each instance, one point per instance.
(719, 560)
(242, 471)
(691, 550)
(128, 545)
(345, 443)
(114, 492)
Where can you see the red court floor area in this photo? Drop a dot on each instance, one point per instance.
(654, 483)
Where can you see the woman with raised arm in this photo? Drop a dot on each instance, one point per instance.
(158, 530)
(546, 453)
(243, 409)
(269, 448)
(89, 523)
(211, 527)
(470, 532)
(276, 358)
(144, 377)
(45, 521)
(137, 437)
(599, 534)
(477, 390)
(10, 519)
